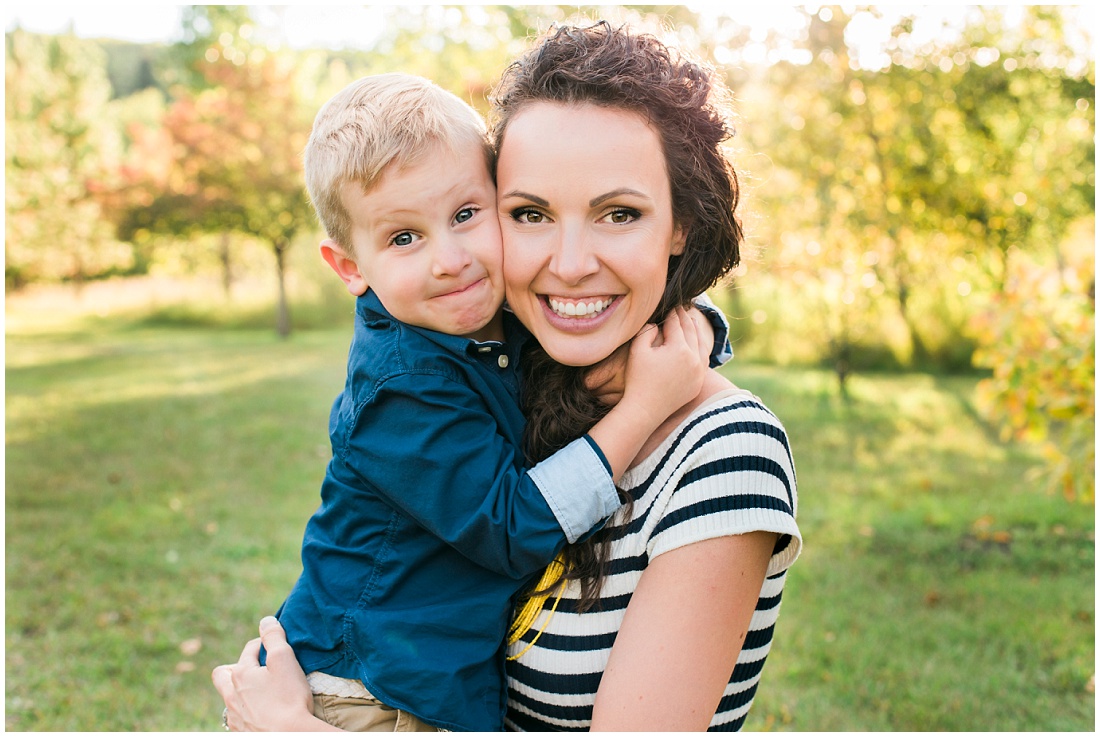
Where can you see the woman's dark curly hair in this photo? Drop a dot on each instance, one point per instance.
(684, 102)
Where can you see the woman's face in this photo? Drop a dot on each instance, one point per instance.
(586, 217)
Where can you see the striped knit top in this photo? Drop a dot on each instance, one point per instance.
(726, 470)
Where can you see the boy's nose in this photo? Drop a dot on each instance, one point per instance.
(451, 258)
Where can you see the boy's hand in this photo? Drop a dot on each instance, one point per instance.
(607, 379)
(703, 325)
(668, 363)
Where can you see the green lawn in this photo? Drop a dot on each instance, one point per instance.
(158, 479)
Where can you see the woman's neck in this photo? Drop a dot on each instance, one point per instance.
(713, 384)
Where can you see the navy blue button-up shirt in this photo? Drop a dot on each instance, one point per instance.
(429, 523)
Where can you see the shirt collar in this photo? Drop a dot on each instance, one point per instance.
(370, 308)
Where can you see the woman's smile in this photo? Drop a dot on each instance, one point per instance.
(579, 309)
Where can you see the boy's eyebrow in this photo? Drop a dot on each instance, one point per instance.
(527, 196)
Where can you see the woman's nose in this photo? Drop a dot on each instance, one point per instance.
(574, 259)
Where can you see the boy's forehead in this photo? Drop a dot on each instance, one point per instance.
(431, 151)
(473, 168)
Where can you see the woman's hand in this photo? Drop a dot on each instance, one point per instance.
(271, 698)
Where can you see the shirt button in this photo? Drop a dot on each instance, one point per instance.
(502, 361)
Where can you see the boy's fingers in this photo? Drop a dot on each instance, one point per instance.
(691, 330)
(270, 625)
(699, 336)
(650, 332)
(673, 329)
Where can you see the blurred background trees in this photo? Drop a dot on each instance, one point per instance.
(925, 202)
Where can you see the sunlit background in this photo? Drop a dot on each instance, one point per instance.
(916, 302)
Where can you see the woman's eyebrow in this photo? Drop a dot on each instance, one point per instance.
(596, 201)
(527, 196)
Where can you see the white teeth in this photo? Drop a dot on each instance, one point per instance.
(579, 309)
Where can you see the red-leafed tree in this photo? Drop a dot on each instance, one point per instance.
(235, 144)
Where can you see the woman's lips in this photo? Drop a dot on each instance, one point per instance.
(587, 313)
(588, 307)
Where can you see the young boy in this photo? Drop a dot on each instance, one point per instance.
(429, 522)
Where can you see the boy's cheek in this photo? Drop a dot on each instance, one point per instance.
(494, 245)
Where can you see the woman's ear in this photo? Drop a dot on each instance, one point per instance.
(345, 267)
(679, 240)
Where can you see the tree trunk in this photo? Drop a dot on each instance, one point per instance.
(282, 309)
(841, 350)
(920, 349)
(227, 266)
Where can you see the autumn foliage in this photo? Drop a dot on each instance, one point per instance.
(1039, 340)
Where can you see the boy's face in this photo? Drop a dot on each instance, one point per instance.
(426, 239)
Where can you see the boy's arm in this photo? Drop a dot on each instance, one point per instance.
(431, 447)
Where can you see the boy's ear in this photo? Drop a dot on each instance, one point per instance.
(344, 266)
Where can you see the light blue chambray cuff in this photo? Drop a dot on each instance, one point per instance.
(578, 487)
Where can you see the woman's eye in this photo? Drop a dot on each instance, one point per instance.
(464, 214)
(623, 216)
(403, 239)
(528, 216)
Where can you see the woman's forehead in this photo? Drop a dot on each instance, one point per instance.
(582, 141)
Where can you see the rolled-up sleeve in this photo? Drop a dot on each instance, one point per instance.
(722, 351)
(576, 483)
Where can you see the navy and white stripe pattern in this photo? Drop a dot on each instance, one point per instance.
(726, 470)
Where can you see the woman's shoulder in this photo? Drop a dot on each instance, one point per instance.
(727, 469)
(727, 414)
(730, 444)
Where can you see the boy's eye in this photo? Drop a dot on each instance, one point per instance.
(403, 239)
(464, 214)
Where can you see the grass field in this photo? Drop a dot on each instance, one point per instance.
(158, 479)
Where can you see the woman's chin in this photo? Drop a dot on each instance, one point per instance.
(578, 350)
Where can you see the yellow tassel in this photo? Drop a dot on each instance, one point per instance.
(531, 608)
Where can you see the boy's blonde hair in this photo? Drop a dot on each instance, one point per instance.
(374, 122)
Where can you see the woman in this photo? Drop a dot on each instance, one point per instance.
(617, 205)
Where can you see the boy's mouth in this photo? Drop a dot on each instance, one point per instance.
(579, 308)
(465, 288)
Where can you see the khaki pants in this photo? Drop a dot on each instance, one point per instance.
(365, 715)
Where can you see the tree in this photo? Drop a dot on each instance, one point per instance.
(1038, 337)
(236, 145)
(61, 149)
(906, 178)
(826, 197)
